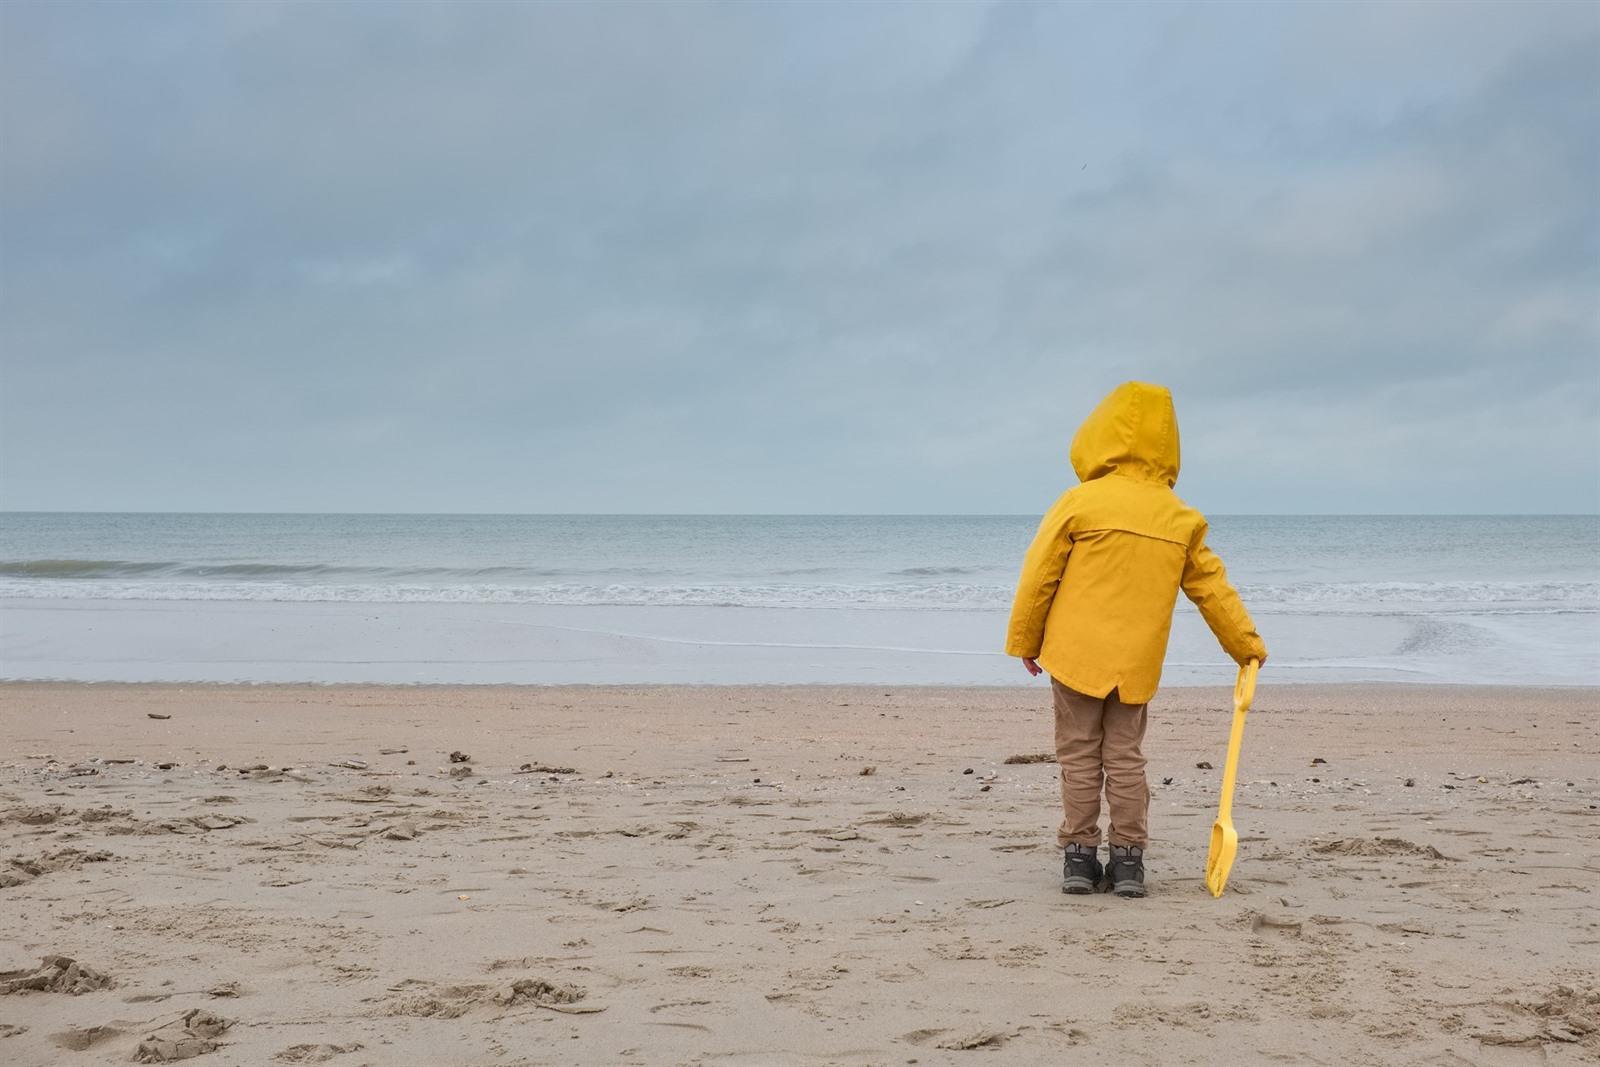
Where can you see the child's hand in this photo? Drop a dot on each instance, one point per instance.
(1033, 668)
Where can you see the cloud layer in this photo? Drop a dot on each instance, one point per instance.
(720, 257)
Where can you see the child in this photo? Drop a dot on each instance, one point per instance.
(1094, 608)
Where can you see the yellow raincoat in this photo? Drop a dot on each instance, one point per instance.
(1094, 605)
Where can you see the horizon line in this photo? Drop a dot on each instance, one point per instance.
(800, 514)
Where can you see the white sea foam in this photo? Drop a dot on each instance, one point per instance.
(1313, 598)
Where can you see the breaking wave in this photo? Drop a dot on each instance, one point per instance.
(917, 588)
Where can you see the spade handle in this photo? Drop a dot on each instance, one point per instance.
(1244, 691)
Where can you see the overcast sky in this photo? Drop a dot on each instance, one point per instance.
(812, 257)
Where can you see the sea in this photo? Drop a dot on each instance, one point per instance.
(714, 599)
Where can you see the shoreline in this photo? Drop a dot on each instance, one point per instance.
(1041, 686)
(471, 643)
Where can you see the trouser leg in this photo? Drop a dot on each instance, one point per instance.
(1079, 736)
(1122, 756)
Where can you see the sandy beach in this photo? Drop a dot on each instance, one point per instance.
(810, 875)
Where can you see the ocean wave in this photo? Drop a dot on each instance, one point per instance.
(88, 569)
(635, 584)
(570, 593)
(79, 568)
(1422, 593)
(1383, 598)
(70, 570)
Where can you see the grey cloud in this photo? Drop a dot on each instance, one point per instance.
(740, 257)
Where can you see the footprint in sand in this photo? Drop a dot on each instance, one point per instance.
(1379, 846)
(195, 1034)
(315, 1053)
(81, 1039)
(962, 1042)
(1260, 922)
(453, 1001)
(671, 1004)
(20, 871)
(55, 974)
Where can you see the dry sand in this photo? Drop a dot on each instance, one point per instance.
(772, 876)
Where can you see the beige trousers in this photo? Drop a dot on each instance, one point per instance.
(1098, 743)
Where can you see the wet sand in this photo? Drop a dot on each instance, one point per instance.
(784, 875)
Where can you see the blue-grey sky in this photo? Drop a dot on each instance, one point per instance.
(794, 257)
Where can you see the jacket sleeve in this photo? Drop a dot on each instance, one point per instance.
(1042, 568)
(1205, 581)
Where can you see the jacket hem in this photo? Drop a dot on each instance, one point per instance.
(1091, 690)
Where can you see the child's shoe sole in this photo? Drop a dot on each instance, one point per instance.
(1078, 887)
(1129, 890)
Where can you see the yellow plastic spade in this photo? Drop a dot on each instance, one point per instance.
(1224, 839)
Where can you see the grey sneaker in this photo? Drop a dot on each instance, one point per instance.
(1080, 870)
(1125, 872)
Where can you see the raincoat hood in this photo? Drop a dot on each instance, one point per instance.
(1133, 433)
